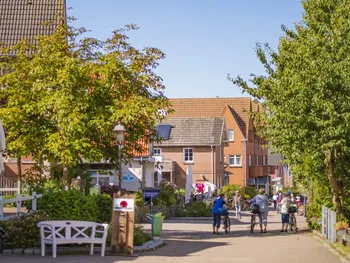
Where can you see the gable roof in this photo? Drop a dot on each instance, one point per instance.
(204, 131)
(26, 19)
(239, 122)
(213, 107)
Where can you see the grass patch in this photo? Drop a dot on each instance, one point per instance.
(345, 249)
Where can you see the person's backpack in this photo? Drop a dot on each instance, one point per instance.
(255, 208)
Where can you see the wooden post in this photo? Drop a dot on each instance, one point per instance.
(34, 201)
(19, 204)
(123, 223)
(1, 208)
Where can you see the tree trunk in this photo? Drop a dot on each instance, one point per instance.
(19, 172)
(334, 187)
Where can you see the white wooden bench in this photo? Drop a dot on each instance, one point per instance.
(72, 232)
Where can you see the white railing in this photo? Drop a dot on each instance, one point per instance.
(329, 218)
(18, 200)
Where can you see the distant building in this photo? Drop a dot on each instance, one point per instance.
(245, 156)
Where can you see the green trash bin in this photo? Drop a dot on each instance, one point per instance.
(157, 224)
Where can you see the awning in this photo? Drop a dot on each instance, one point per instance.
(227, 173)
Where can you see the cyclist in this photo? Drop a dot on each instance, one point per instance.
(263, 202)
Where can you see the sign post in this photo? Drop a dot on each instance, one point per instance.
(123, 221)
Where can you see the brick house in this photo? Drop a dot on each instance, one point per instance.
(199, 141)
(245, 155)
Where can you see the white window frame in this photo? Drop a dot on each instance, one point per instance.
(184, 155)
(235, 158)
(159, 150)
(229, 135)
(97, 176)
(250, 160)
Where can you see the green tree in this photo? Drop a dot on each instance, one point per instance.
(62, 99)
(306, 93)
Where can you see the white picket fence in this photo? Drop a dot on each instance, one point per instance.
(329, 218)
(18, 200)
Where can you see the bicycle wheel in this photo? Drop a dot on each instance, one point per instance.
(295, 224)
(252, 223)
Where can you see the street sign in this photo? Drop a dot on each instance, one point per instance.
(151, 193)
(124, 205)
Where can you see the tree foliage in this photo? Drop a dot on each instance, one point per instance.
(62, 97)
(306, 93)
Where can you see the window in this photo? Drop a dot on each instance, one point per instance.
(264, 160)
(235, 160)
(100, 177)
(231, 135)
(188, 155)
(157, 151)
(250, 160)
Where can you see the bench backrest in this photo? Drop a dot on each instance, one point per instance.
(72, 230)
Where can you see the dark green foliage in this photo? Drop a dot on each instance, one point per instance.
(104, 208)
(23, 232)
(196, 209)
(140, 236)
(68, 205)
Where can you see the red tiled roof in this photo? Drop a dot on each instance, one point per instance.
(213, 107)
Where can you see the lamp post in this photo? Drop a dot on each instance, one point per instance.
(119, 131)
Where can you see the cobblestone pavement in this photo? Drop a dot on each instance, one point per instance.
(191, 241)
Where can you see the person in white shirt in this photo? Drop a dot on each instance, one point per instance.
(275, 197)
(285, 204)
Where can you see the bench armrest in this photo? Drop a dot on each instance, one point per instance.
(104, 231)
(47, 229)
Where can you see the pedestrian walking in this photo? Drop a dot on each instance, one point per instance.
(237, 201)
(275, 197)
(285, 204)
(218, 204)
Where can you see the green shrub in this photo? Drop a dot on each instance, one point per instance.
(104, 207)
(140, 236)
(68, 205)
(230, 190)
(139, 199)
(23, 231)
(198, 209)
(249, 192)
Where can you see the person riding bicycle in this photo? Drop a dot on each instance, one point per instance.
(263, 202)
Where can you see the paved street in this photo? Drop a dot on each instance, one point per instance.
(191, 241)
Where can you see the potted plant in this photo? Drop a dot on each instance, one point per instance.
(341, 227)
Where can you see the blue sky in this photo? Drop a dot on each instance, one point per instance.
(204, 40)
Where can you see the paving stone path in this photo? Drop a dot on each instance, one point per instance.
(190, 241)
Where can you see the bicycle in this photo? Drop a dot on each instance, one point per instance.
(292, 219)
(252, 222)
(255, 211)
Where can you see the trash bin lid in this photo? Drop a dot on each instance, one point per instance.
(158, 215)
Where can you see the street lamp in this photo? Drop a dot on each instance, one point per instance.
(119, 131)
(245, 161)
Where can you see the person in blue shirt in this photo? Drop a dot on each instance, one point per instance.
(218, 204)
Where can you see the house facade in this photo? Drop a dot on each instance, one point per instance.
(246, 157)
(198, 142)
